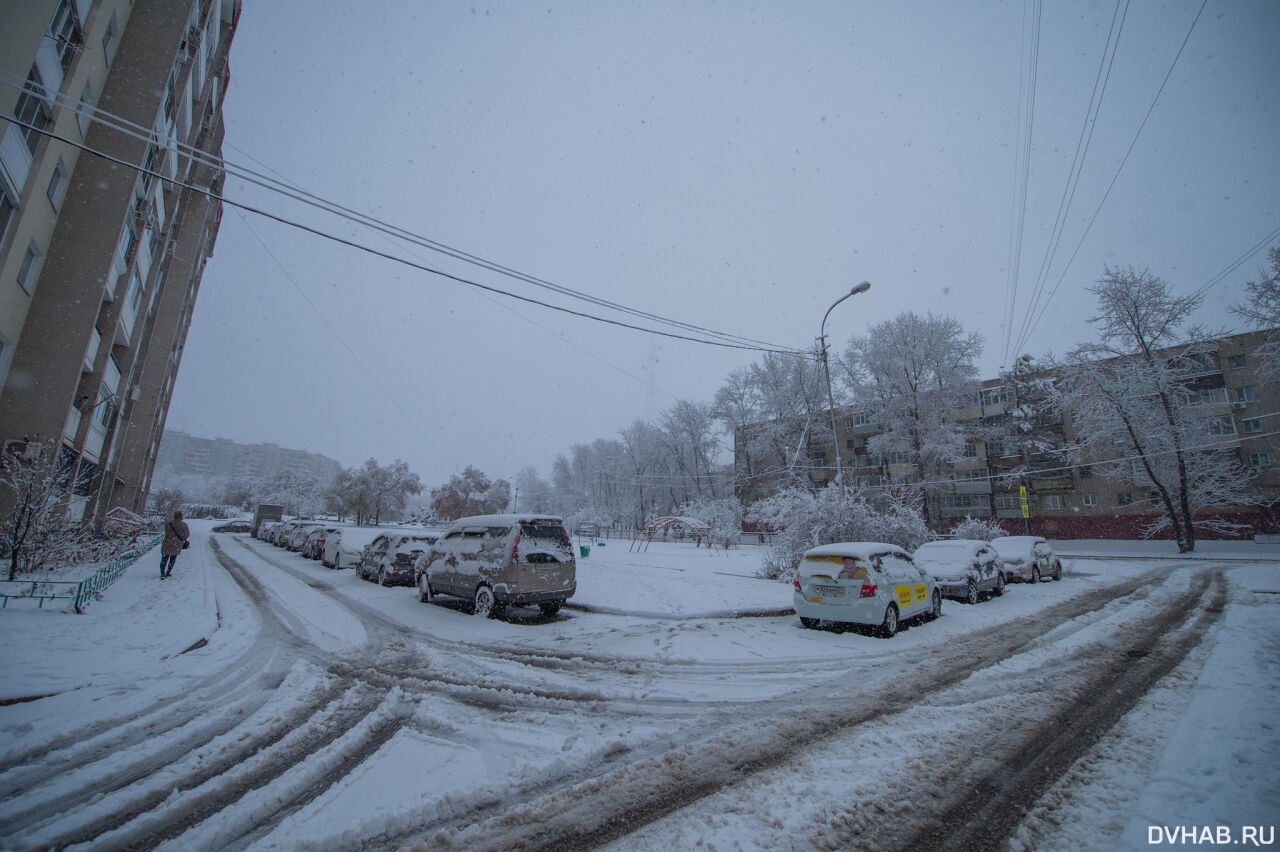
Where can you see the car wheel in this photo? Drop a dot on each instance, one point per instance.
(424, 588)
(1035, 575)
(971, 594)
(999, 589)
(484, 605)
(382, 578)
(808, 623)
(549, 609)
(337, 562)
(1057, 571)
(935, 612)
(889, 627)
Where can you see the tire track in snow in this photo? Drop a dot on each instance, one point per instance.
(585, 810)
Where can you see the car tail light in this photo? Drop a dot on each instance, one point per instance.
(868, 590)
(515, 547)
(797, 585)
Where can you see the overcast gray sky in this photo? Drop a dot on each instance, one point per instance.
(736, 168)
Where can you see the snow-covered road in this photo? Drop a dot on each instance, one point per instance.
(325, 712)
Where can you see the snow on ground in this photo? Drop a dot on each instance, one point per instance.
(655, 629)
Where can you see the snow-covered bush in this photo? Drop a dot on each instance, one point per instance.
(806, 520)
(724, 516)
(977, 528)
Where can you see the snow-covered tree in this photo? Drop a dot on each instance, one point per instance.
(980, 529)
(166, 501)
(533, 492)
(472, 493)
(722, 514)
(912, 374)
(808, 519)
(36, 534)
(1262, 308)
(1140, 402)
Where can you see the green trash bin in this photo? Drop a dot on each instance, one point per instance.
(584, 549)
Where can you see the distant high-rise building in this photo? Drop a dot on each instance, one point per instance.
(110, 169)
(182, 454)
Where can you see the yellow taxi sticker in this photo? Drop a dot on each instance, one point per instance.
(815, 599)
(904, 595)
(922, 592)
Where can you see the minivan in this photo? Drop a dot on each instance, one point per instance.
(496, 561)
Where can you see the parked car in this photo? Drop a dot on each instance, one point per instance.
(234, 527)
(1028, 558)
(314, 543)
(267, 531)
(281, 532)
(345, 547)
(863, 583)
(297, 536)
(496, 561)
(963, 568)
(389, 559)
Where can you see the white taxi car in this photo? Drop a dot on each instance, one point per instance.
(863, 583)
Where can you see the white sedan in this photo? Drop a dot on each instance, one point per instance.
(863, 583)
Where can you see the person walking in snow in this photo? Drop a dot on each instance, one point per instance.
(176, 535)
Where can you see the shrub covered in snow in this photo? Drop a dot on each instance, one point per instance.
(977, 528)
(807, 520)
(724, 516)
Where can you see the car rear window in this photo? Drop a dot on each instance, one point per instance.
(550, 532)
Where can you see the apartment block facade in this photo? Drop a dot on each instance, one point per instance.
(1071, 499)
(186, 455)
(110, 168)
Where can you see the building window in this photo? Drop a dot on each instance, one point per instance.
(1124, 498)
(30, 267)
(1237, 362)
(32, 109)
(111, 38)
(1220, 425)
(58, 184)
(850, 443)
(6, 209)
(1089, 499)
(1245, 394)
(971, 450)
(1052, 501)
(1252, 426)
(995, 449)
(64, 29)
(1259, 459)
(84, 110)
(1086, 471)
(993, 396)
(899, 457)
(858, 418)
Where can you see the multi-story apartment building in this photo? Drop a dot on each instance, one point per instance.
(110, 171)
(1068, 498)
(185, 455)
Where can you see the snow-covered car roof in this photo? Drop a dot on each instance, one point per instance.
(856, 549)
(958, 548)
(505, 520)
(1016, 543)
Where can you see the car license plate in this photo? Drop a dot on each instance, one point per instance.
(830, 591)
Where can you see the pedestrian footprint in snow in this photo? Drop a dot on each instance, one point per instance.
(176, 540)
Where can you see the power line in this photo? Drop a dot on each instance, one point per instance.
(281, 188)
(1101, 78)
(1022, 172)
(208, 192)
(1116, 177)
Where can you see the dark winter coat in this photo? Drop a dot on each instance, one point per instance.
(175, 533)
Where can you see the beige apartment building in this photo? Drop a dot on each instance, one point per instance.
(1072, 500)
(110, 149)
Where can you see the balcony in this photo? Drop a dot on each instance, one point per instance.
(1052, 483)
(91, 354)
(973, 486)
(73, 424)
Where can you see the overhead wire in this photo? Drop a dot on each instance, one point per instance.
(1022, 167)
(1114, 178)
(1101, 78)
(210, 193)
(297, 194)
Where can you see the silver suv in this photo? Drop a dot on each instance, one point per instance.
(496, 561)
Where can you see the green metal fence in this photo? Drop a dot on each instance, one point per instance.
(80, 593)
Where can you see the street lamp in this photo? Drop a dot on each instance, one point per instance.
(831, 401)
